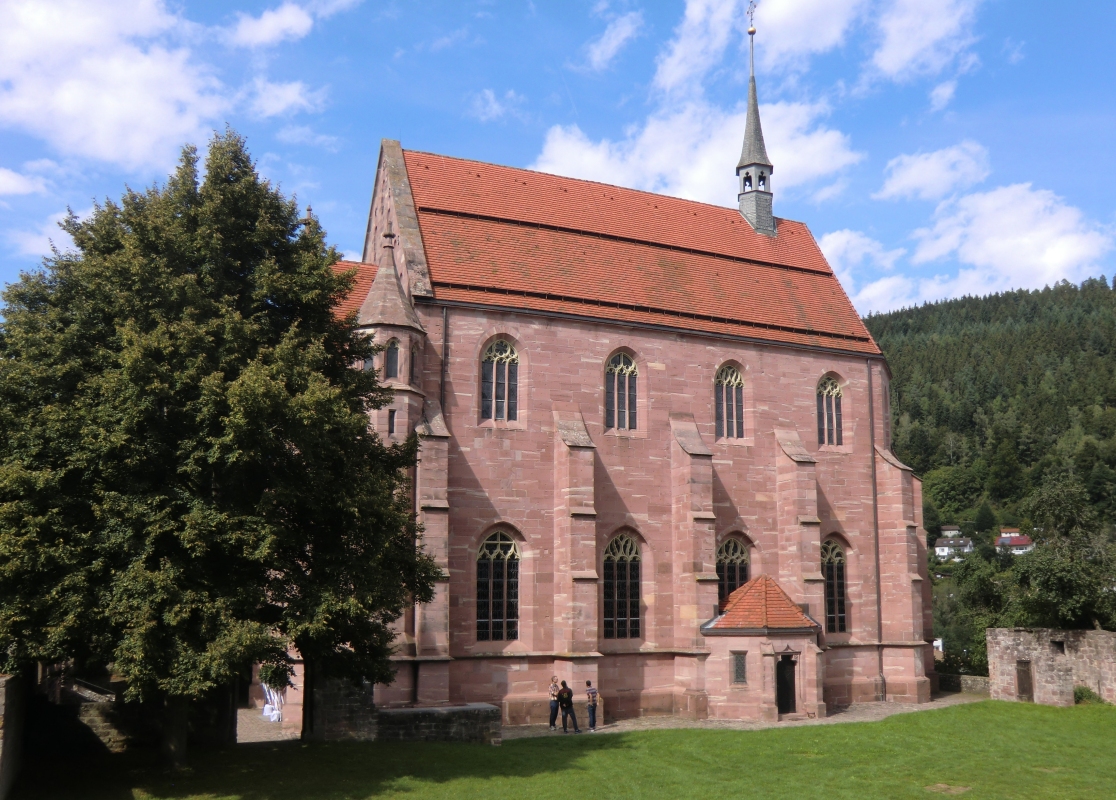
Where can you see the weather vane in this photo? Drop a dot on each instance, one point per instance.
(752, 18)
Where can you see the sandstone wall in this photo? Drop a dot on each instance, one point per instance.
(1060, 660)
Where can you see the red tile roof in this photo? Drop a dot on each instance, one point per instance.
(497, 235)
(1014, 541)
(365, 274)
(761, 604)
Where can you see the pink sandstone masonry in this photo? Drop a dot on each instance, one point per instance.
(1056, 660)
(563, 486)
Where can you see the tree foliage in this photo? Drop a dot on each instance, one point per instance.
(992, 394)
(188, 482)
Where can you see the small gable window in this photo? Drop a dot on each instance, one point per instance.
(498, 589)
(729, 392)
(829, 411)
(620, 393)
(732, 568)
(500, 382)
(621, 589)
(391, 360)
(833, 568)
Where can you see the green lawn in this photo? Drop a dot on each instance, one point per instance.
(996, 749)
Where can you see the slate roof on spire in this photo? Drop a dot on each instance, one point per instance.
(759, 606)
(387, 303)
(754, 150)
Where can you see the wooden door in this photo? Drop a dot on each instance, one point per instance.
(1024, 682)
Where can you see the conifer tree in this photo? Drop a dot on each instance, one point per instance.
(188, 483)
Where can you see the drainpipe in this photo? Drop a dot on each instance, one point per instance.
(445, 351)
(876, 529)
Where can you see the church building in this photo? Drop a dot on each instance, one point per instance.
(655, 448)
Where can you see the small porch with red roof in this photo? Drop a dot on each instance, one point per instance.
(764, 659)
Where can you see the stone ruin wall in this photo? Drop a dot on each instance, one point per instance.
(1088, 659)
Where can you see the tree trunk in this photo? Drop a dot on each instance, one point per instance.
(309, 698)
(176, 730)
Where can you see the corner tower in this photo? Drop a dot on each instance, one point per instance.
(754, 168)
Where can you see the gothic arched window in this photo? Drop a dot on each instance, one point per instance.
(498, 589)
(747, 182)
(829, 411)
(762, 182)
(500, 381)
(620, 393)
(732, 568)
(391, 360)
(729, 391)
(833, 568)
(621, 589)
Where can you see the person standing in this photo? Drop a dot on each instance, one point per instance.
(565, 701)
(593, 696)
(554, 688)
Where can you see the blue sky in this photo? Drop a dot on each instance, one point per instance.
(934, 148)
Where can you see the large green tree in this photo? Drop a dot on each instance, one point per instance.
(188, 482)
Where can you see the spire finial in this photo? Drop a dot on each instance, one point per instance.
(752, 38)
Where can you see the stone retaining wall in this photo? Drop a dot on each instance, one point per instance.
(11, 731)
(477, 723)
(969, 684)
(1059, 661)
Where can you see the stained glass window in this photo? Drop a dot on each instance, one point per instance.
(621, 589)
(500, 382)
(498, 589)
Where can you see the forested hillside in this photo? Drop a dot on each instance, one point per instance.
(992, 394)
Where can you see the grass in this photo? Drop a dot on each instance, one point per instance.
(1002, 750)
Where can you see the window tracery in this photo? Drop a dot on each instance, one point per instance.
(729, 392)
(732, 568)
(829, 411)
(620, 393)
(500, 381)
(833, 568)
(498, 588)
(621, 589)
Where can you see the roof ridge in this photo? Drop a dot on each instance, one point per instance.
(591, 181)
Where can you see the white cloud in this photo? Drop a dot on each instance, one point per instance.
(103, 79)
(941, 94)
(619, 32)
(15, 183)
(449, 40)
(789, 31)
(301, 134)
(486, 106)
(930, 176)
(274, 99)
(690, 151)
(37, 241)
(1012, 237)
(922, 37)
(849, 253)
(287, 22)
(699, 42)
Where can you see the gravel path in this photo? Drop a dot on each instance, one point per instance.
(252, 726)
(858, 712)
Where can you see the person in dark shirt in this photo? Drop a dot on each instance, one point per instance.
(565, 702)
(593, 697)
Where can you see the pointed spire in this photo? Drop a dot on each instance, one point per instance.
(754, 168)
(387, 303)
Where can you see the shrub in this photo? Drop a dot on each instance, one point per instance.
(1083, 695)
